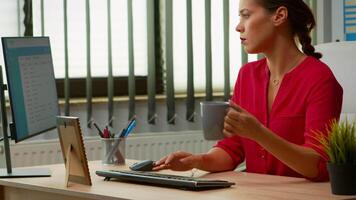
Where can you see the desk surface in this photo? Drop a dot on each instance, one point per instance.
(248, 186)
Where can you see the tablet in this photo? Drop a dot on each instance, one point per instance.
(73, 151)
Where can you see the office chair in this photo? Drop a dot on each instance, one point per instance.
(340, 56)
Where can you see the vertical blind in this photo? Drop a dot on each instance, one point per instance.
(199, 44)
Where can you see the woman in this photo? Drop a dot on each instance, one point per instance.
(278, 101)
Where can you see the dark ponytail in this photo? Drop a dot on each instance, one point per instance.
(301, 20)
(307, 47)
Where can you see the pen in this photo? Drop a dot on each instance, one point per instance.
(123, 132)
(130, 128)
(106, 133)
(99, 131)
(131, 121)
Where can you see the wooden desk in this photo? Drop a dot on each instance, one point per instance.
(248, 186)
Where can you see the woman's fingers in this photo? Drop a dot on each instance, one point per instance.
(228, 126)
(161, 164)
(161, 161)
(171, 157)
(232, 128)
(160, 167)
(236, 107)
(235, 122)
(230, 120)
(175, 161)
(232, 113)
(228, 133)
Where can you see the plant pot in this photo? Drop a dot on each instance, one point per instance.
(342, 178)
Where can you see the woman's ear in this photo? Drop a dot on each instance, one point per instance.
(280, 16)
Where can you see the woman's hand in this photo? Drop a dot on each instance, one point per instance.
(240, 122)
(178, 161)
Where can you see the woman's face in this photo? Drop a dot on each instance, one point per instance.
(256, 27)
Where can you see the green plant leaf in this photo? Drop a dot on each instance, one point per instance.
(340, 142)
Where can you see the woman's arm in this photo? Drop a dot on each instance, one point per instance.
(213, 161)
(216, 160)
(301, 159)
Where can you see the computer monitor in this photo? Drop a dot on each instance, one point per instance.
(31, 85)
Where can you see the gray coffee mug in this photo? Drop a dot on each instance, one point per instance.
(213, 114)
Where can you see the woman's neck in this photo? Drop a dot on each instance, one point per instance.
(283, 56)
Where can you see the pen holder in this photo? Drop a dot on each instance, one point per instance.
(113, 151)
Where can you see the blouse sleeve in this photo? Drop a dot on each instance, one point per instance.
(234, 148)
(323, 106)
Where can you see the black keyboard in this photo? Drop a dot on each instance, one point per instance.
(165, 180)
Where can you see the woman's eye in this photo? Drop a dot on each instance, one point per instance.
(244, 15)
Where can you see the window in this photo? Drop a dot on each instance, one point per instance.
(53, 26)
(9, 22)
(198, 24)
(76, 14)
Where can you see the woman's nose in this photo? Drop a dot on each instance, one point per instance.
(239, 28)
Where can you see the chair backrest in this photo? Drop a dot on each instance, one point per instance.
(341, 58)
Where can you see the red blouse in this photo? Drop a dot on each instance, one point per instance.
(308, 98)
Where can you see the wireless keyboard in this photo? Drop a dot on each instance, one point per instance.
(164, 180)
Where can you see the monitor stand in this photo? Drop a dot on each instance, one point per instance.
(9, 172)
(22, 173)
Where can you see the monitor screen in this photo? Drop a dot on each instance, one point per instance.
(31, 84)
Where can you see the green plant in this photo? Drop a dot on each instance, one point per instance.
(340, 142)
